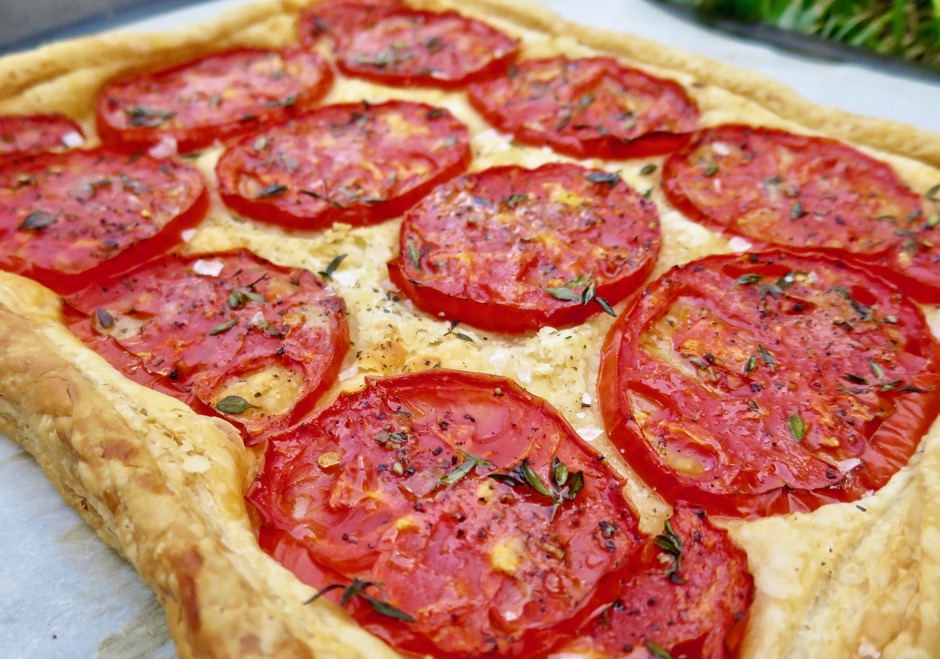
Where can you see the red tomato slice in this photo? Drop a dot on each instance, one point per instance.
(511, 249)
(30, 134)
(482, 514)
(769, 383)
(355, 163)
(588, 108)
(411, 47)
(688, 592)
(393, 484)
(69, 219)
(802, 192)
(256, 342)
(216, 97)
(335, 18)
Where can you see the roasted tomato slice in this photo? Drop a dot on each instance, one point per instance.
(413, 47)
(29, 134)
(69, 219)
(483, 516)
(511, 249)
(472, 502)
(336, 18)
(781, 189)
(212, 98)
(588, 108)
(769, 383)
(355, 163)
(685, 594)
(256, 342)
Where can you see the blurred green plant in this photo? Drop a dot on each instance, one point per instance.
(904, 28)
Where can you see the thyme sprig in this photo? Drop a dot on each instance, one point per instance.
(357, 588)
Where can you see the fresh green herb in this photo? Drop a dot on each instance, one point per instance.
(657, 651)
(902, 28)
(565, 485)
(434, 44)
(260, 143)
(463, 337)
(797, 426)
(37, 220)
(751, 365)
(533, 479)
(559, 472)
(385, 58)
(796, 211)
(610, 178)
(670, 542)
(711, 168)
(470, 461)
(748, 279)
(233, 405)
(565, 294)
(605, 305)
(357, 588)
(646, 170)
(854, 379)
(564, 121)
(435, 113)
(273, 190)
(514, 200)
(324, 198)
(876, 369)
(239, 297)
(413, 255)
(767, 357)
(575, 485)
(933, 194)
(331, 268)
(140, 116)
(223, 327)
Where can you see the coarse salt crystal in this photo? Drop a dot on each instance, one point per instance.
(208, 268)
(72, 139)
(739, 244)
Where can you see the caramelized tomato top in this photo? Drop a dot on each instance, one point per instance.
(212, 98)
(587, 108)
(36, 133)
(764, 384)
(467, 518)
(70, 219)
(355, 163)
(803, 192)
(256, 342)
(510, 249)
(336, 18)
(413, 47)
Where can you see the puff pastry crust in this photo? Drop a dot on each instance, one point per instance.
(164, 486)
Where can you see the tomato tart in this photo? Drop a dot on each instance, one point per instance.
(426, 328)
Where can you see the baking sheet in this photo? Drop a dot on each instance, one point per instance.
(63, 593)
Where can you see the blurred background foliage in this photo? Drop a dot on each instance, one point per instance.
(909, 29)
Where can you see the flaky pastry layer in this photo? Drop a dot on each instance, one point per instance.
(164, 486)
